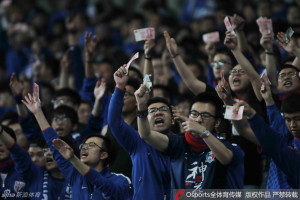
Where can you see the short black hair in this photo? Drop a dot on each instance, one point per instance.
(139, 73)
(159, 100)
(39, 142)
(209, 97)
(134, 82)
(11, 117)
(286, 66)
(67, 111)
(291, 104)
(72, 94)
(107, 146)
(10, 132)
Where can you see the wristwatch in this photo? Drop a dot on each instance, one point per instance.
(205, 134)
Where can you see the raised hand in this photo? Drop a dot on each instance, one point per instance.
(33, 102)
(120, 77)
(230, 41)
(266, 93)
(224, 92)
(266, 41)
(16, 86)
(90, 44)
(99, 89)
(190, 125)
(210, 48)
(239, 21)
(148, 47)
(142, 97)
(65, 62)
(290, 47)
(64, 149)
(171, 44)
(249, 112)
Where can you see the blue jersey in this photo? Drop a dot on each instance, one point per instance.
(201, 170)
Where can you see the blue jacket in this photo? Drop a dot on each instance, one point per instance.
(93, 185)
(285, 158)
(12, 183)
(39, 181)
(150, 172)
(276, 178)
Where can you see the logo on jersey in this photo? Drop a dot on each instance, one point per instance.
(18, 186)
(210, 157)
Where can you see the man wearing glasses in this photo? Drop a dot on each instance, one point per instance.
(88, 177)
(199, 159)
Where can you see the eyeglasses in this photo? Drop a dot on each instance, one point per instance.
(90, 145)
(204, 115)
(161, 109)
(127, 94)
(237, 71)
(289, 74)
(290, 119)
(46, 150)
(219, 63)
(59, 101)
(61, 120)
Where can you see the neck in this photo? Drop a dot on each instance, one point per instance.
(99, 167)
(129, 117)
(56, 173)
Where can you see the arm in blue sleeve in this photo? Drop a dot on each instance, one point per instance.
(30, 129)
(64, 165)
(77, 65)
(276, 120)
(126, 136)
(87, 90)
(23, 163)
(119, 188)
(286, 159)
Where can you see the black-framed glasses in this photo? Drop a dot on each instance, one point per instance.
(128, 94)
(289, 74)
(90, 145)
(237, 71)
(219, 63)
(161, 109)
(204, 115)
(290, 119)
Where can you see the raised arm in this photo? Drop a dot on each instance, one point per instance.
(90, 44)
(195, 85)
(65, 64)
(157, 140)
(241, 37)
(231, 42)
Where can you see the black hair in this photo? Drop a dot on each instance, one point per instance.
(291, 104)
(68, 112)
(107, 146)
(39, 142)
(12, 118)
(134, 82)
(139, 73)
(72, 94)
(166, 90)
(209, 97)
(159, 100)
(226, 52)
(286, 66)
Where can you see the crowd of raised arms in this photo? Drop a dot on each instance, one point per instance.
(88, 112)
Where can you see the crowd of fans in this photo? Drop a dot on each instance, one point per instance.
(77, 123)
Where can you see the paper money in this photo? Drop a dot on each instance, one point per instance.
(147, 82)
(264, 77)
(144, 34)
(230, 25)
(211, 37)
(265, 25)
(229, 114)
(288, 35)
(135, 56)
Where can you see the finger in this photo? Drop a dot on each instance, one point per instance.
(30, 97)
(166, 35)
(36, 91)
(183, 118)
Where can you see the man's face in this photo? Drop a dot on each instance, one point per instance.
(292, 121)
(129, 100)
(204, 114)
(50, 162)
(159, 117)
(37, 155)
(221, 62)
(4, 153)
(84, 112)
(238, 79)
(63, 100)
(288, 80)
(92, 151)
(62, 125)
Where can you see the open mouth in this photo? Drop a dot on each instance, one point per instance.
(59, 131)
(236, 81)
(84, 154)
(49, 160)
(159, 121)
(288, 83)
